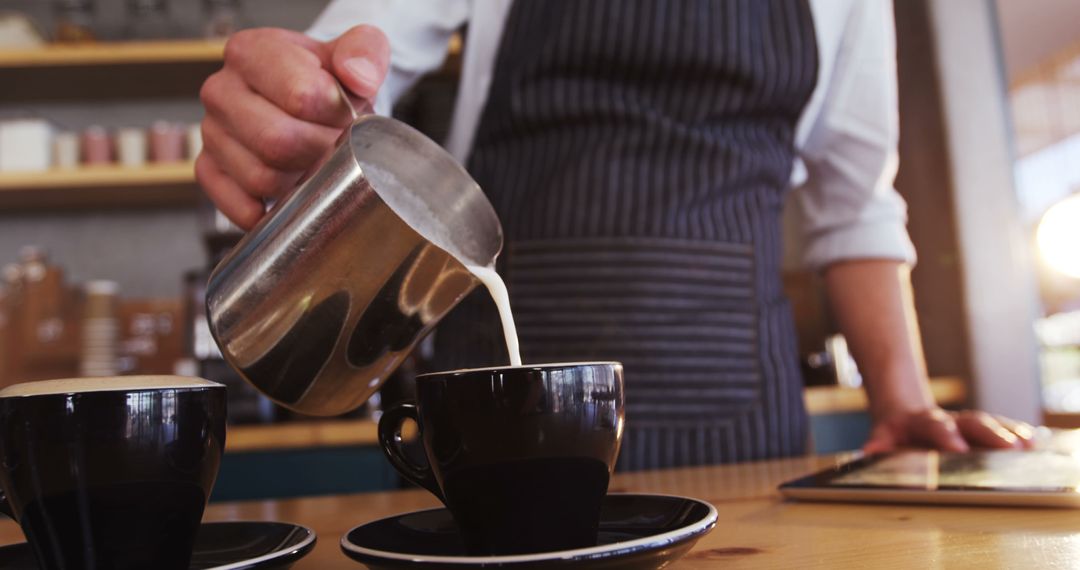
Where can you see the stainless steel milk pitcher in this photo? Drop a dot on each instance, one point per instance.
(324, 298)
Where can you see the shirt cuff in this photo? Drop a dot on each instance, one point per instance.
(866, 240)
(384, 104)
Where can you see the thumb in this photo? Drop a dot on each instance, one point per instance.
(938, 430)
(360, 58)
(881, 440)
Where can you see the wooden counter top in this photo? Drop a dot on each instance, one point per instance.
(755, 528)
(947, 391)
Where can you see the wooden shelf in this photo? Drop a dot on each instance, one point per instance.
(300, 434)
(112, 185)
(99, 176)
(304, 434)
(115, 53)
(123, 70)
(1063, 420)
(947, 391)
(130, 53)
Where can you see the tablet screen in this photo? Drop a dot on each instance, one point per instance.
(989, 470)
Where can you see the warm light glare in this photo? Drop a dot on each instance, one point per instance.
(1058, 236)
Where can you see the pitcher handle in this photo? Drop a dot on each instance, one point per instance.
(391, 442)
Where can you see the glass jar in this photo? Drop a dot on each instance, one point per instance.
(223, 17)
(150, 20)
(73, 20)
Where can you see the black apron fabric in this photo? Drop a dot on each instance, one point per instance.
(638, 153)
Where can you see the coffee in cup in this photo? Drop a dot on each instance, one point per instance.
(521, 455)
(110, 472)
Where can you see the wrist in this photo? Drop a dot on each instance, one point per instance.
(898, 393)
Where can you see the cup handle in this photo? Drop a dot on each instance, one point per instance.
(5, 506)
(390, 440)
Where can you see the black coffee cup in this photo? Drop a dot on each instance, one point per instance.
(110, 472)
(521, 456)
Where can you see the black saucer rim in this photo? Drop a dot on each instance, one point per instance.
(681, 535)
(292, 553)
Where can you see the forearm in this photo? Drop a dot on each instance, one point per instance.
(873, 304)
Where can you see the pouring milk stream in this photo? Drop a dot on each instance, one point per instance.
(497, 289)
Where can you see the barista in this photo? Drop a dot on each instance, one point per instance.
(638, 153)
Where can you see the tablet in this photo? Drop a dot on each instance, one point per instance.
(1014, 478)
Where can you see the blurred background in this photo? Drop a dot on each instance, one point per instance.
(105, 240)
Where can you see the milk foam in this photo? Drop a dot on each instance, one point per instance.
(111, 384)
(548, 366)
(419, 214)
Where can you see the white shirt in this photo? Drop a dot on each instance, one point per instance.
(846, 137)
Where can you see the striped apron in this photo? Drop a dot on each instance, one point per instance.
(638, 153)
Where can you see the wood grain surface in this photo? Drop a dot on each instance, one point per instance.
(756, 529)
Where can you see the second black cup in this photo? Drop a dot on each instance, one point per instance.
(520, 455)
(110, 473)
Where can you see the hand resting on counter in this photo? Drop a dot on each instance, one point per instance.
(935, 428)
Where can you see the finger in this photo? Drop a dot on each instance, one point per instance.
(288, 69)
(276, 138)
(360, 58)
(236, 204)
(253, 175)
(937, 430)
(1023, 430)
(982, 430)
(881, 440)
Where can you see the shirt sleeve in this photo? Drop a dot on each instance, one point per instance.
(847, 205)
(419, 32)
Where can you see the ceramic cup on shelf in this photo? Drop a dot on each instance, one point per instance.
(131, 146)
(66, 150)
(166, 142)
(96, 146)
(194, 141)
